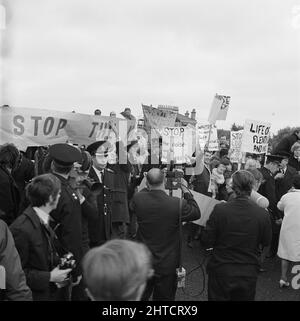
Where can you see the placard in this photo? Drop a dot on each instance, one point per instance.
(255, 137)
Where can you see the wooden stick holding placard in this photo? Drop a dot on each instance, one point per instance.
(207, 148)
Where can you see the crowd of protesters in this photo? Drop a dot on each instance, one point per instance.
(68, 207)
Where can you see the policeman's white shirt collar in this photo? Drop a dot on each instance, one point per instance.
(44, 217)
(98, 173)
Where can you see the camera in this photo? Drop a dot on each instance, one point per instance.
(67, 262)
(173, 179)
(92, 185)
(181, 274)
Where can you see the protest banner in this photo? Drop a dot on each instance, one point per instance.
(158, 119)
(205, 203)
(208, 132)
(255, 137)
(235, 146)
(176, 144)
(40, 127)
(219, 108)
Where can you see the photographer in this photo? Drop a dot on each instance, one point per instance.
(35, 240)
(68, 214)
(85, 186)
(158, 228)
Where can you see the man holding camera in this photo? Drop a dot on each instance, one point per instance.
(35, 240)
(71, 207)
(158, 227)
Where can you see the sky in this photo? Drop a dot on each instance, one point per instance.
(110, 54)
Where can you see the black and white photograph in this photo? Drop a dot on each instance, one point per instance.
(149, 151)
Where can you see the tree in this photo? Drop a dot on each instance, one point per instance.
(235, 127)
(286, 131)
(223, 132)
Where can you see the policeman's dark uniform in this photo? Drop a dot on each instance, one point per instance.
(286, 182)
(120, 208)
(68, 214)
(268, 189)
(100, 231)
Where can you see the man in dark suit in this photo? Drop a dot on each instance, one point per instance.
(120, 208)
(294, 160)
(284, 178)
(68, 214)
(9, 192)
(158, 227)
(35, 240)
(268, 189)
(235, 230)
(101, 232)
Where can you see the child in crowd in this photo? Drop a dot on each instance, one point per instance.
(217, 178)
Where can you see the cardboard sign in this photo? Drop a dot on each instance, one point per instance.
(205, 203)
(158, 119)
(219, 108)
(40, 127)
(203, 134)
(255, 137)
(176, 144)
(235, 146)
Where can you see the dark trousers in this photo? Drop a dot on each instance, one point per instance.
(275, 238)
(118, 230)
(77, 293)
(193, 231)
(132, 227)
(161, 287)
(231, 288)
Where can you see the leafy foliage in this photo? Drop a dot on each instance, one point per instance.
(275, 139)
(235, 127)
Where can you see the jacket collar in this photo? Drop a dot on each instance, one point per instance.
(159, 191)
(5, 170)
(61, 178)
(93, 175)
(33, 217)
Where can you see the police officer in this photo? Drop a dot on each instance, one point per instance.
(268, 189)
(68, 214)
(100, 232)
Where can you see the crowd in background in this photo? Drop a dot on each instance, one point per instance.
(65, 200)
